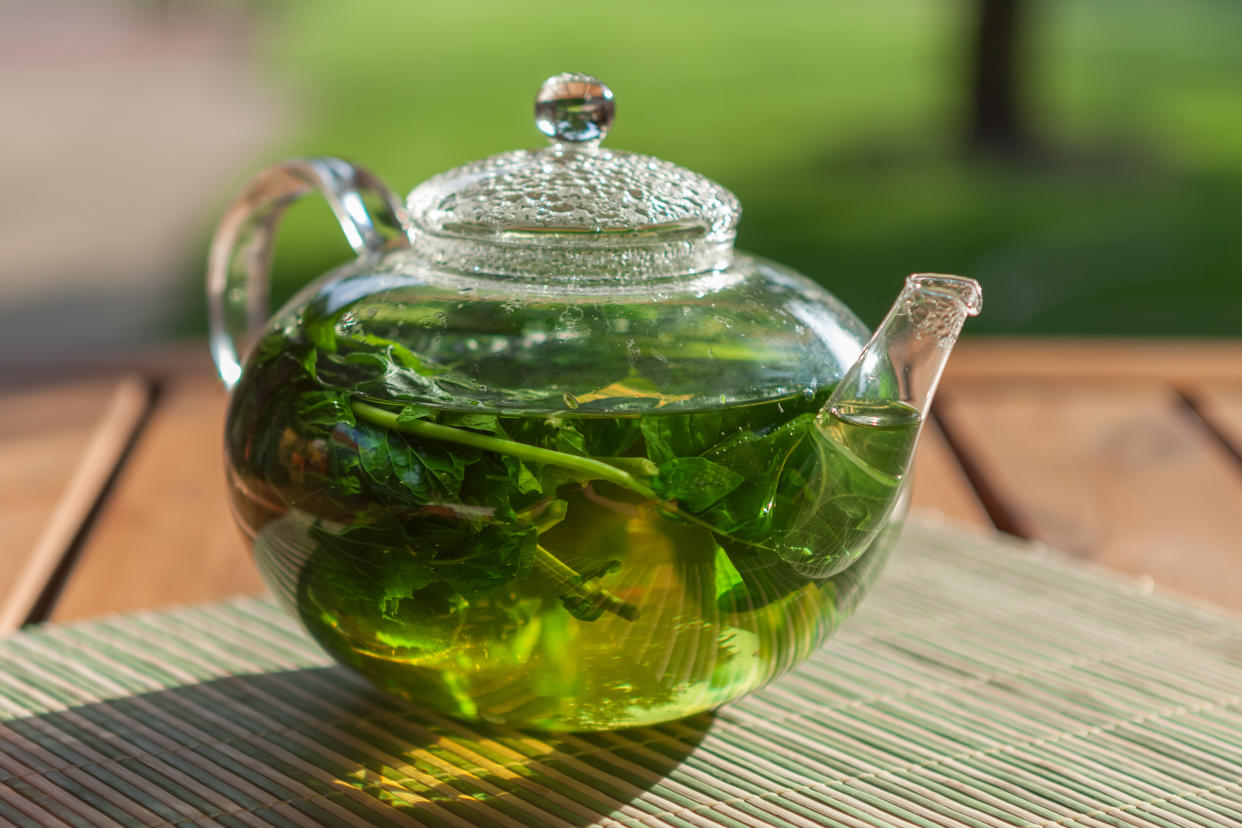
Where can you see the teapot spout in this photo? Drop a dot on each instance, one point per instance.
(868, 429)
(895, 378)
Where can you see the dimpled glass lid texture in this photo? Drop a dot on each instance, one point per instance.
(573, 210)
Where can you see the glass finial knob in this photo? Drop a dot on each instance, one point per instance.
(574, 109)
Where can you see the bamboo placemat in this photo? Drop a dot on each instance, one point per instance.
(982, 684)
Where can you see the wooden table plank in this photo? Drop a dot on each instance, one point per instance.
(166, 536)
(1042, 360)
(940, 486)
(58, 449)
(1122, 473)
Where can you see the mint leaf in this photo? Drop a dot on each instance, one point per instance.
(523, 480)
(446, 466)
(685, 435)
(658, 439)
(324, 408)
(694, 482)
(489, 423)
(566, 437)
(309, 363)
(415, 411)
(322, 334)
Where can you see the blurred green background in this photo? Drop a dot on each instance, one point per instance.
(843, 128)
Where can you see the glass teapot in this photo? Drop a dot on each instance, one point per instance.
(550, 451)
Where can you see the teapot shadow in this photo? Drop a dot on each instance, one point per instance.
(322, 743)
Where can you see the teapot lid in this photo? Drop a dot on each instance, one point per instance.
(573, 210)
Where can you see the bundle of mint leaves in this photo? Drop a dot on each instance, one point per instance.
(418, 490)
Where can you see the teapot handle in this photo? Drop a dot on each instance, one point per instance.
(239, 260)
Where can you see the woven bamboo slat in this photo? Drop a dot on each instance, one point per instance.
(986, 683)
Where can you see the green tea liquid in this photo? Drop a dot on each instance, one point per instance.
(630, 609)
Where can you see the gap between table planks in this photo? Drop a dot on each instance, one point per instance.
(1122, 472)
(59, 449)
(1221, 408)
(166, 536)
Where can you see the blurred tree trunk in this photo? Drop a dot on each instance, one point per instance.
(996, 118)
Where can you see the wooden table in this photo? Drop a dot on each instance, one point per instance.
(1128, 453)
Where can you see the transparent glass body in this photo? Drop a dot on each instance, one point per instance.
(571, 510)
